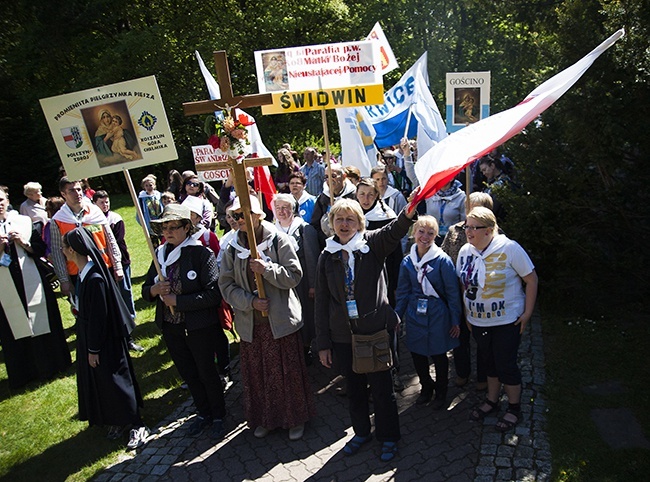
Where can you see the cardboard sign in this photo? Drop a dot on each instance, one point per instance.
(103, 130)
(321, 76)
(468, 98)
(287, 102)
(207, 160)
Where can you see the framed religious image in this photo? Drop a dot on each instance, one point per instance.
(275, 71)
(111, 128)
(468, 98)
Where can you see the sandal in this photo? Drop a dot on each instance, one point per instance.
(477, 415)
(388, 451)
(355, 443)
(503, 425)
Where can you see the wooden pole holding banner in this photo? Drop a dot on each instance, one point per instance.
(327, 154)
(468, 186)
(138, 210)
(326, 139)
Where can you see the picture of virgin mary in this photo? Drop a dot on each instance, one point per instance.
(114, 140)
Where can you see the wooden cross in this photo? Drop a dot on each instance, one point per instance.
(230, 102)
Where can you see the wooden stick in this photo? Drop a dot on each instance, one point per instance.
(468, 186)
(241, 188)
(327, 154)
(145, 230)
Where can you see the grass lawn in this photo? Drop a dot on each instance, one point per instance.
(583, 352)
(40, 435)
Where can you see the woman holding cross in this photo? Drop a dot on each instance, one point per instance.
(277, 393)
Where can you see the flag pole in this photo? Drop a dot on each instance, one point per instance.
(408, 121)
(145, 230)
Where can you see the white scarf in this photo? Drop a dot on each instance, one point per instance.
(296, 222)
(91, 215)
(304, 197)
(357, 243)
(348, 188)
(478, 261)
(422, 267)
(243, 253)
(35, 321)
(201, 232)
(377, 213)
(174, 255)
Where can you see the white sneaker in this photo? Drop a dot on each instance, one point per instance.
(261, 432)
(137, 437)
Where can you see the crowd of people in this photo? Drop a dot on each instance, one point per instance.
(341, 259)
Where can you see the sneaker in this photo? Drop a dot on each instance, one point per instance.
(261, 432)
(296, 433)
(115, 432)
(137, 437)
(133, 346)
(197, 425)
(217, 431)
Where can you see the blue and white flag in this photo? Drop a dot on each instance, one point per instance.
(357, 139)
(431, 127)
(390, 119)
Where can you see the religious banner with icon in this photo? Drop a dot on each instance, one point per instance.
(106, 129)
(319, 77)
(468, 98)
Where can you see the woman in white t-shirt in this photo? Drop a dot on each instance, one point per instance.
(499, 291)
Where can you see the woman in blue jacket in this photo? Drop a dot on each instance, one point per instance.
(429, 302)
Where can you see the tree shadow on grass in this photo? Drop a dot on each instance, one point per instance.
(68, 457)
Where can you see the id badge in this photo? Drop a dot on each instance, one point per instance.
(5, 260)
(353, 312)
(422, 306)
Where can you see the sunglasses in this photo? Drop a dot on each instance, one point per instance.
(237, 216)
(169, 227)
(473, 228)
(193, 184)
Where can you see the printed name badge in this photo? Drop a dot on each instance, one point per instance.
(422, 306)
(353, 312)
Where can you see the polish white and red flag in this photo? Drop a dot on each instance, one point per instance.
(440, 164)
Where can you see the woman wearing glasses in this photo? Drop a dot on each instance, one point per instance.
(186, 305)
(499, 290)
(194, 187)
(277, 394)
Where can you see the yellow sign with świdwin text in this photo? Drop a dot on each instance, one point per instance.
(286, 102)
